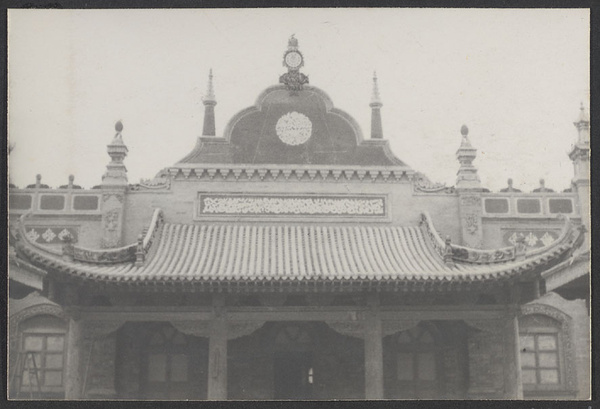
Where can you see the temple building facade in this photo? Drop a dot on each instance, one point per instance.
(293, 257)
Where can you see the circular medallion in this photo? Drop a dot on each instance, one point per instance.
(293, 59)
(294, 128)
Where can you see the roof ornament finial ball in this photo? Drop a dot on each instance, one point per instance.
(464, 130)
(293, 41)
(71, 178)
(38, 178)
(119, 126)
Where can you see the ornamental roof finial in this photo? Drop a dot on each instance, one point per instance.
(293, 60)
(375, 97)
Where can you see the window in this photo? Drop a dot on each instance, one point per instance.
(167, 374)
(416, 364)
(42, 351)
(539, 358)
(416, 358)
(542, 342)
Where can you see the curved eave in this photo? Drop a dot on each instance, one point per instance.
(163, 265)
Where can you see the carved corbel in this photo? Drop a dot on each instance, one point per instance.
(349, 328)
(195, 328)
(392, 327)
(240, 329)
(100, 329)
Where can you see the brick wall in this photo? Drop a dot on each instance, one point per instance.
(486, 361)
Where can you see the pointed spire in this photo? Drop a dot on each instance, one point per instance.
(210, 90)
(116, 172)
(375, 104)
(375, 97)
(583, 126)
(583, 115)
(209, 101)
(467, 177)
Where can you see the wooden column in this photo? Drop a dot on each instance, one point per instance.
(373, 352)
(513, 385)
(217, 355)
(74, 366)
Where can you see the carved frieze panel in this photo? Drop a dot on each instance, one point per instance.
(112, 219)
(530, 238)
(51, 235)
(40, 309)
(284, 205)
(470, 214)
(107, 196)
(118, 255)
(471, 221)
(294, 128)
(470, 200)
(162, 183)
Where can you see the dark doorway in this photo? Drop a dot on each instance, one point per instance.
(293, 374)
(292, 363)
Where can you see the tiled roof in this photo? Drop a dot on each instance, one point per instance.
(210, 255)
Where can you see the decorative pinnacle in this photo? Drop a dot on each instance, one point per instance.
(293, 41)
(464, 131)
(119, 126)
(375, 97)
(210, 97)
(583, 116)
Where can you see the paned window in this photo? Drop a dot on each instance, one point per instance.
(539, 358)
(47, 350)
(167, 358)
(416, 356)
(41, 355)
(541, 349)
(417, 366)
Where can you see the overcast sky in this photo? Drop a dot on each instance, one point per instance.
(514, 77)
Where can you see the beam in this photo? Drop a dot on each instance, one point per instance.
(437, 312)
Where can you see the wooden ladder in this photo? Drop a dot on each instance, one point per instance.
(26, 362)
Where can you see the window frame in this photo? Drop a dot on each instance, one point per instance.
(536, 332)
(416, 385)
(45, 333)
(562, 325)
